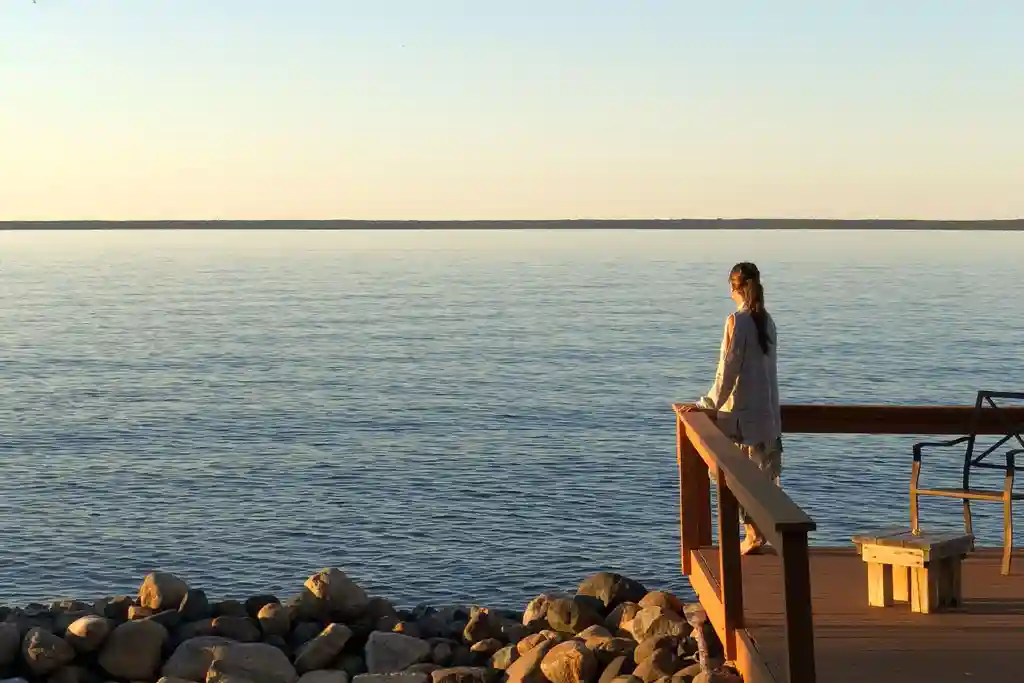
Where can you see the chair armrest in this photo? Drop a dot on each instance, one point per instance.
(919, 447)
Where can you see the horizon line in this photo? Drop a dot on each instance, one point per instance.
(1008, 224)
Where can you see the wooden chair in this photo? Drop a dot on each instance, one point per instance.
(985, 408)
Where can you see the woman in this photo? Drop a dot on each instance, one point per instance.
(746, 390)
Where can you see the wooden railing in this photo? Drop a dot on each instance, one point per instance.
(703, 450)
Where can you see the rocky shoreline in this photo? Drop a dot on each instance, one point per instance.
(611, 631)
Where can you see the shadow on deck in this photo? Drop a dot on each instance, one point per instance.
(854, 643)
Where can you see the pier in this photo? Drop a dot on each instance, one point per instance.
(801, 614)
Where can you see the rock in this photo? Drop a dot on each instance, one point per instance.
(571, 616)
(324, 676)
(44, 652)
(242, 629)
(612, 589)
(194, 629)
(323, 649)
(650, 645)
(304, 632)
(663, 662)
(229, 608)
(255, 603)
(463, 656)
(654, 621)
(192, 659)
(62, 620)
(195, 605)
(620, 620)
(513, 632)
(617, 668)
(341, 595)
(117, 608)
(595, 631)
(392, 652)
(623, 679)
(162, 590)
(423, 667)
(527, 669)
(536, 614)
(133, 650)
(169, 618)
(407, 628)
(570, 662)
(504, 658)
(73, 674)
(136, 612)
(487, 647)
(718, 676)
(688, 672)
(352, 664)
(401, 677)
(172, 679)
(10, 643)
(664, 600)
(442, 653)
(86, 634)
(481, 626)
(530, 642)
(463, 674)
(275, 619)
(281, 644)
(608, 649)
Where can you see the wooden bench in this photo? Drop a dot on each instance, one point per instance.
(922, 569)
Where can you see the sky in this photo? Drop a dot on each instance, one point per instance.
(477, 109)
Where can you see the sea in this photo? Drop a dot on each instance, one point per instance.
(450, 416)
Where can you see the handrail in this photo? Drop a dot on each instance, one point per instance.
(879, 419)
(702, 449)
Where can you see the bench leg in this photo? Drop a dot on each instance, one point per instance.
(879, 584)
(924, 589)
(900, 583)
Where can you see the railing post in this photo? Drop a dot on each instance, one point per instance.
(694, 497)
(796, 576)
(730, 570)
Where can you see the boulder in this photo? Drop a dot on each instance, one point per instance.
(304, 632)
(10, 643)
(482, 625)
(324, 676)
(192, 659)
(504, 658)
(319, 652)
(86, 634)
(570, 662)
(169, 618)
(162, 590)
(195, 605)
(401, 677)
(595, 631)
(133, 650)
(527, 669)
(535, 616)
(423, 667)
(664, 600)
(620, 620)
(718, 676)
(655, 621)
(45, 652)
(463, 674)
(393, 652)
(352, 664)
(275, 619)
(663, 662)
(612, 589)
(242, 629)
(172, 679)
(487, 647)
(136, 612)
(650, 645)
(572, 616)
(617, 668)
(340, 595)
(608, 649)
(72, 674)
(229, 608)
(116, 608)
(530, 642)
(254, 604)
(442, 653)
(194, 629)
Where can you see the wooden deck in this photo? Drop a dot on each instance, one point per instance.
(854, 643)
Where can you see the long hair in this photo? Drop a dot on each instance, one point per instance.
(746, 279)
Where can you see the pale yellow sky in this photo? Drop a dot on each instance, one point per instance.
(318, 109)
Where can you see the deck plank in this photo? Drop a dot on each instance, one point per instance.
(984, 640)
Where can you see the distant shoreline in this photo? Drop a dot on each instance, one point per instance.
(579, 224)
